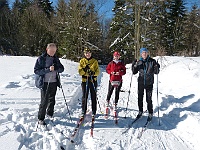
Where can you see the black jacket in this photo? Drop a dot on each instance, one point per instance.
(146, 68)
(40, 70)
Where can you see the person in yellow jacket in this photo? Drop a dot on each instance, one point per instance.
(89, 70)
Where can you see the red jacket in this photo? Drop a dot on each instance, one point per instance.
(116, 67)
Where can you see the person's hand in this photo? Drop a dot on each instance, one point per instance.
(156, 67)
(115, 73)
(91, 73)
(51, 68)
(87, 68)
(134, 63)
(112, 73)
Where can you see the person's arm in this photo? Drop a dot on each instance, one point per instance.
(108, 68)
(94, 69)
(122, 71)
(135, 67)
(40, 70)
(58, 66)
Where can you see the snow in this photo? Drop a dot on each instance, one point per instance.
(178, 103)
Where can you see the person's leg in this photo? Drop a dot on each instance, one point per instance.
(43, 102)
(110, 90)
(93, 94)
(85, 90)
(117, 90)
(51, 98)
(140, 96)
(149, 90)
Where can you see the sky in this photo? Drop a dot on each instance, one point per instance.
(106, 10)
(178, 104)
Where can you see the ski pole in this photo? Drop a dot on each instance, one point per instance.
(66, 103)
(128, 95)
(47, 87)
(96, 95)
(157, 98)
(64, 97)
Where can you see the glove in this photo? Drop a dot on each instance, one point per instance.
(86, 69)
(134, 63)
(91, 73)
(156, 68)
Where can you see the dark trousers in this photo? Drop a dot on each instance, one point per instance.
(110, 91)
(47, 100)
(86, 87)
(149, 90)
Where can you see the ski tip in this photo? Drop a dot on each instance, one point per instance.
(72, 141)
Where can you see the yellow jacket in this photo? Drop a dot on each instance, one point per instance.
(93, 64)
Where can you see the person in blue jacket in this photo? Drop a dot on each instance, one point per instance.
(47, 69)
(147, 67)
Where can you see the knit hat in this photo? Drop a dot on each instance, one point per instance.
(143, 50)
(87, 49)
(116, 54)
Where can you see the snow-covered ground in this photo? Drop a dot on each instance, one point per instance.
(178, 98)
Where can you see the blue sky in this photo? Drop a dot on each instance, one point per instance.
(107, 9)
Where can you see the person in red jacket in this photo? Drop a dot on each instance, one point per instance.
(116, 69)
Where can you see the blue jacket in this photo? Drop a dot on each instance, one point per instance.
(40, 70)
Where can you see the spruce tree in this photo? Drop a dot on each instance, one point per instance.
(176, 18)
(46, 6)
(192, 32)
(120, 29)
(61, 23)
(5, 41)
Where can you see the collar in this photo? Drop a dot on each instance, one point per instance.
(116, 61)
(88, 58)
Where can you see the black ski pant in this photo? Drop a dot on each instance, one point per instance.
(110, 91)
(47, 100)
(149, 89)
(86, 87)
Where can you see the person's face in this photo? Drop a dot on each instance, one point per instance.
(116, 57)
(88, 54)
(144, 55)
(51, 50)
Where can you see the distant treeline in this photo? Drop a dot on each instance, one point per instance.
(164, 27)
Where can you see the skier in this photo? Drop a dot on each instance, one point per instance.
(89, 70)
(116, 69)
(147, 67)
(47, 69)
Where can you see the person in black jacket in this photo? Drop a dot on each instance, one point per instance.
(47, 69)
(147, 67)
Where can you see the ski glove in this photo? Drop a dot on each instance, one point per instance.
(86, 69)
(91, 73)
(156, 68)
(135, 63)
